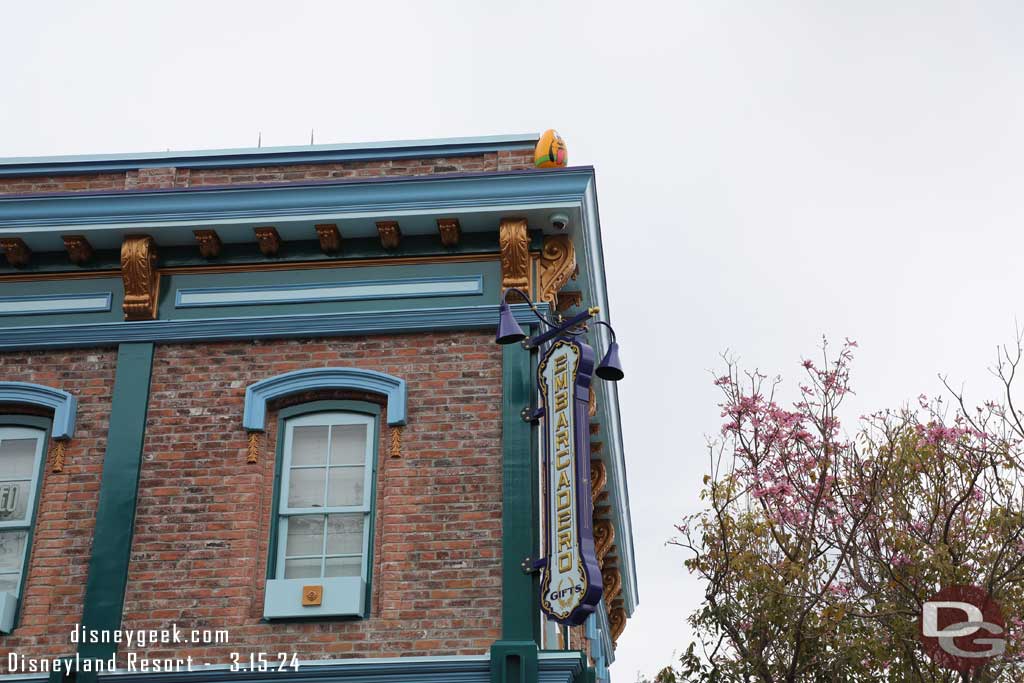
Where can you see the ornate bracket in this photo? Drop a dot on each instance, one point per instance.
(390, 234)
(140, 276)
(598, 479)
(254, 447)
(611, 577)
(515, 253)
(268, 240)
(209, 243)
(18, 253)
(604, 538)
(592, 405)
(450, 231)
(557, 267)
(57, 455)
(396, 442)
(617, 621)
(78, 248)
(329, 236)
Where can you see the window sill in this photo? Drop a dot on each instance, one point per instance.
(8, 608)
(342, 596)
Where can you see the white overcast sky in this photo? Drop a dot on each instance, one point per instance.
(768, 172)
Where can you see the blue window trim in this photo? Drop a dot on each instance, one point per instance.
(365, 507)
(63, 404)
(301, 410)
(259, 394)
(45, 426)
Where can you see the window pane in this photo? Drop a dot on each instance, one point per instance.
(17, 457)
(345, 486)
(10, 582)
(14, 500)
(348, 444)
(302, 569)
(309, 445)
(305, 535)
(306, 488)
(344, 534)
(344, 566)
(12, 550)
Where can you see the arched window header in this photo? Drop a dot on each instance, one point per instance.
(63, 404)
(259, 394)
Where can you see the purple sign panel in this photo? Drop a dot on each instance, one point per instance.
(571, 587)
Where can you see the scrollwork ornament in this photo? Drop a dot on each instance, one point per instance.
(557, 267)
(515, 253)
(140, 276)
(604, 538)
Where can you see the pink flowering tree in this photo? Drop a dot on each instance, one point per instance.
(819, 544)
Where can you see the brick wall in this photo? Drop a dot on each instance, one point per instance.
(199, 555)
(62, 542)
(165, 178)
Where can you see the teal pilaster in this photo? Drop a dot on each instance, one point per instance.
(514, 657)
(115, 515)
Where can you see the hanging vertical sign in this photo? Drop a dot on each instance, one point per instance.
(571, 587)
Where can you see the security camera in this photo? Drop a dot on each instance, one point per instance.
(559, 221)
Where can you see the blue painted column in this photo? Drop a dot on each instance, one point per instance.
(514, 657)
(115, 514)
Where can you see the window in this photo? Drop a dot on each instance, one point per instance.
(324, 520)
(21, 454)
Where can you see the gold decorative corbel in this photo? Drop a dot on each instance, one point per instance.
(18, 253)
(254, 447)
(140, 276)
(611, 577)
(450, 231)
(592, 405)
(78, 248)
(598, 479)
(390, 234)
(209, 243)
(617, 621)
(557, 267)
(396, 442)
(329, 236)
(268, 240)
(604, 537)
(57, 455)
(515, 253)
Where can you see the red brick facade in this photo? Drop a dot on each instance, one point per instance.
(202, 528)
(166, 178)
(62, 540)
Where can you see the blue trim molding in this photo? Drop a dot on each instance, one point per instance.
(259, 394)
(43, 304)
(25, 216)
(63, 404)
(255, 295)
(271, 326)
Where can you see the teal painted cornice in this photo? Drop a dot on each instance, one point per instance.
(266, 156)
(27, 215)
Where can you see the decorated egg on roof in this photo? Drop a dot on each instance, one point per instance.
(550, 152)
